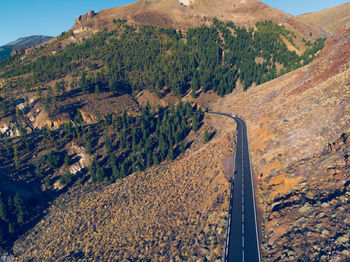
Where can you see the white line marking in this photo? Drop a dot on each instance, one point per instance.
(251, 177)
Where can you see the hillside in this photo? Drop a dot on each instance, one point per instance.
(23, 42)
(299, 128)
(119, 65)
(106, 152)
(177, 210)
(330, 19)
(299, 137)
(186, 14)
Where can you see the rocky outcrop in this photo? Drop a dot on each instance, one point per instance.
(84, 19)
(312, 216)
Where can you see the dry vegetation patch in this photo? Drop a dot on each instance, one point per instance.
(177, 211)
(298, 128)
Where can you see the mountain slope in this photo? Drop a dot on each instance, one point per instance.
(299, 128)
(174, 13)
(329, 19)
(175, 210)
(84, 140)
(178, 210)
(22, 42)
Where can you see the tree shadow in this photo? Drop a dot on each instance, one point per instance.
(211, 136)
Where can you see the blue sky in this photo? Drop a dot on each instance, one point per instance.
(21, 18)
(297, 7)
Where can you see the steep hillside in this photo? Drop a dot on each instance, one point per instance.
(186, 14)
(299, 128)
(116, 67)
(175, 211)
(23, 42)
(330, 19)
(92, 171)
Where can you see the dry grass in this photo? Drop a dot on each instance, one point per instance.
(176, 211)
(330, 19)
(291, 120)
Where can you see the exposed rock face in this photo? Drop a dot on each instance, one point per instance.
(299, 128)
(84, 18)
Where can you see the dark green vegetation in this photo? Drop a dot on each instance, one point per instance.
(130, 59)
(5, 52)
(129, 144)
(125, 60)
(12, 215)
(134, 143)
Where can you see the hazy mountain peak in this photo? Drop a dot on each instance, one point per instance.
(22, 42)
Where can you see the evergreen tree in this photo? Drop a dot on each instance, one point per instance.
(155, 158)
(88, 146)
(19, 208)
(182, 147)
(11, 228)
(2, 235)
(171, 153)
(66, 159)
(206, 136)
(123, 170)
(195, 124)
(3, 213)
(15, 157)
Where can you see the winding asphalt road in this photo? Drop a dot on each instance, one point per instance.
(242, 235)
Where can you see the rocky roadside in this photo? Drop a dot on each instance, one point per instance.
(298, 128)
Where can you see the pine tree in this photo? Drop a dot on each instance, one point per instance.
(38, 92)
(88, 146)
(11, 228)
(123, 170)
(195, 124)
(155, 158)
(19, 208)
(38, 169)
(3, 213)
(93, 166)
(2, 235)
(182, 147)
(15, 157)
(206, 136)
(170, 153)
(100, 174)
(194, 86)
(66, 159)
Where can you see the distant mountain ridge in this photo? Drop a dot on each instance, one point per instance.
(22, 42)
(329, 19)
(183, 14)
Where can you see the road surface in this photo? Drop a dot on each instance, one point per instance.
(242, 235)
